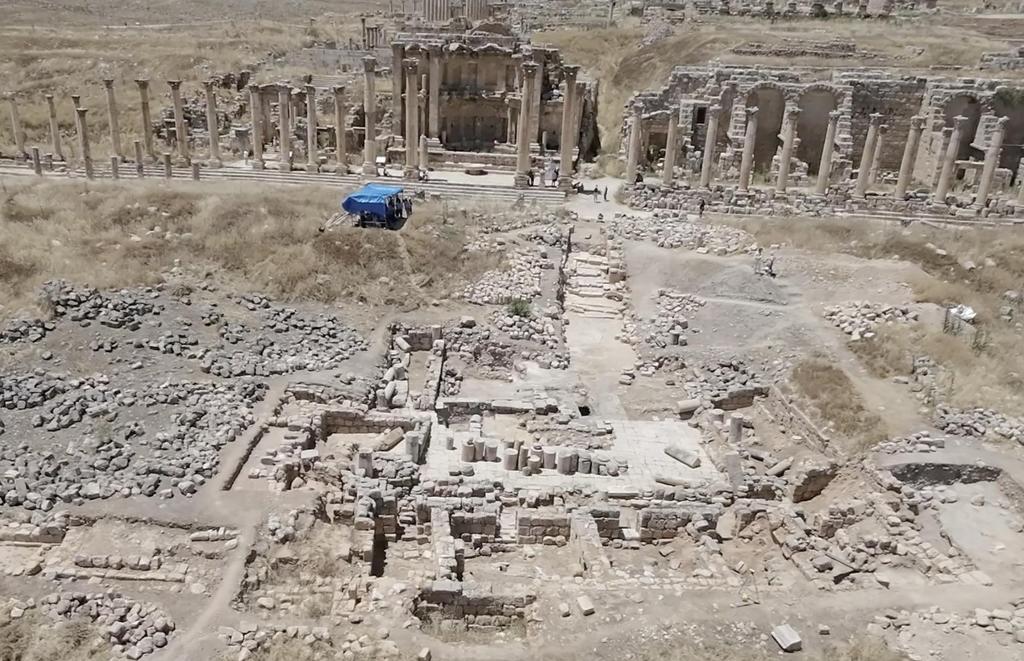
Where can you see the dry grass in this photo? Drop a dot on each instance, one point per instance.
(247, 237)
(991, 376)
(32, 638)
(836, 404)
(856, 649)
(289, 649)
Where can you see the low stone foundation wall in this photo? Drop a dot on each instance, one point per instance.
(454, 606)
(667, 522)
(544, 526)
(788, 416)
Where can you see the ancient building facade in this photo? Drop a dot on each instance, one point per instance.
(468, 93)
(852, 102)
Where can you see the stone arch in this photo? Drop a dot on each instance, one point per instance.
(770, 100)
(815, 103)
(1009, 102)
(969, 106)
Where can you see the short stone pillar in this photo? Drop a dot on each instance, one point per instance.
(909, 157)
(370, 111)
(55, 144)
(710, 137)
(180, 132)
(735, 429)
(668, 175)
(147, 124)
(195, 171)
(83, 141)
(140, 168)
(949, 160)
(19, 134)
(988, 170)
(256, 111)
(115, 131)
(167, 165)
(633, 146)
(526, 103)
(312, 152)
(866, 156)
(115, 164)
(567, 134)
(212, 128)
(339, 129)
(284, 134)
(876, 160)
(788, 133)
(37, 163)
(749, 140)
(825, 163)
(412, 114)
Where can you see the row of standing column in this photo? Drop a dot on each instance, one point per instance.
(870, 156)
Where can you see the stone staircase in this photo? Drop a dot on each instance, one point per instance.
(508, 533)
(595, 285)
(438, 188)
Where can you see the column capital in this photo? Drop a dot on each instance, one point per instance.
(143, 83)
(947, 131)
(792, 112)
(1001, 123)
(208, 86)
(834, 116)
(174, 84)
(108, 82)
(917, 123)
(571, 71)
(637, 109)
(411, 65)
(875, 119)
(959, 122)
(339, 90)
(370, 64)
(713, 110)
(48, 97)
(255, 88)
(530, 69)
(751, 111)
(434, 50)
(883, 129)
(81, 111)
(310, 91)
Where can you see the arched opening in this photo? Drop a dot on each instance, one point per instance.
(812, 124)
(969, 107)
(1010, 103)
(770, 104)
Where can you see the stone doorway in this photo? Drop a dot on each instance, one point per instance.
(812, 124)
(771, 103)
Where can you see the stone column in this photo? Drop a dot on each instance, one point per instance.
(909, 156)
(140, 169)
(424, 154)
(19, 134)
(523, 131)
(537, 111)
(147, 124)
(397, 89)
(312, 153)
(284, 134)
(370, 110)
(988, 171)
(1020, 189)
(825, 163)
(567, 138)
(265, 97)
(256, 110)
(211, 124)
(668, 175)
(434, 94)
(37, 163)
(115, 131)
(633, 146)
(709, 145)
(749, 140)
(83, 141)
(788, 133)
(339, 129)
(54, 128)
(876, 160)
(866, 156)
(949, 160)
(180, 132)
(412, 110)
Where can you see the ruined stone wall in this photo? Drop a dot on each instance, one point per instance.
(896, 99)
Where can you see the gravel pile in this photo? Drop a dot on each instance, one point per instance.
(519, 279)
(668, 326)
(675, 231)
(978, 423)
(134, 629)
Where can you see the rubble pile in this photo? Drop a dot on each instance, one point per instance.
(979, 423)
(133, 628)
(100, 466)
(673, 230)
(920, 442)
(250, 638)
(859, 319)
(518, 279)
(668, 326)
(73, 399)
(1007, 620)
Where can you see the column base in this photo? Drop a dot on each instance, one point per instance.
(434, 143)
(565, 184)
(410, 174)
(258, 164)
(284, 166)
(522, 181)
(369, 168)
(312, 167)
(214, 163)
